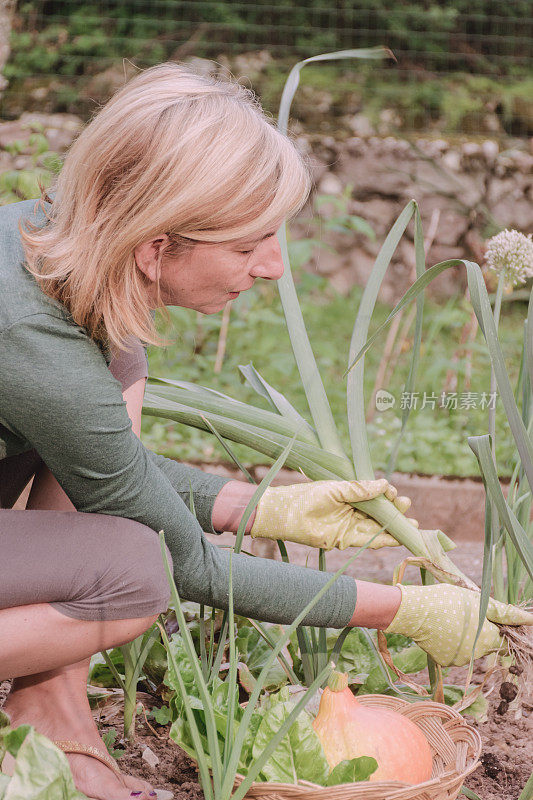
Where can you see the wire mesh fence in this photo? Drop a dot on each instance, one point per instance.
(464, 65)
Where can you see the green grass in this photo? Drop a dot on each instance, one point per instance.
(435, 440)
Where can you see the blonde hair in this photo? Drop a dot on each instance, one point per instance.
(172, 151)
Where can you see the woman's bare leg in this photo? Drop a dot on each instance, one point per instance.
(56, 704)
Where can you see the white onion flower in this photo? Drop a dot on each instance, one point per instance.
(511, 253)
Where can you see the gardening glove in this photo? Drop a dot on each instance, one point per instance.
(443, 620)
(319, 514)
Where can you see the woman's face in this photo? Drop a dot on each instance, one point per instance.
(212, 274)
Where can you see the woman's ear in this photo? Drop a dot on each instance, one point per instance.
(147, 256)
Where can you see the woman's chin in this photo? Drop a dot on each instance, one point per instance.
(214, 308)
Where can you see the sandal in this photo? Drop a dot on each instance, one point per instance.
(68, 746)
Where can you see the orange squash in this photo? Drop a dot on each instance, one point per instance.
(348, 729)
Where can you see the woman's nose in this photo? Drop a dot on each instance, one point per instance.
(269, 261)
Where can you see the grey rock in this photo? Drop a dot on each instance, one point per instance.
(361, 125)
(452, 160)
(490, 150)
(330, 184)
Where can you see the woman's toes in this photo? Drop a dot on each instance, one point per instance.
(138, 785)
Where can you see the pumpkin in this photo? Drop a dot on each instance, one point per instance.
(348, 729)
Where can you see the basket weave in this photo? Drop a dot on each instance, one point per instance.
(455, 747)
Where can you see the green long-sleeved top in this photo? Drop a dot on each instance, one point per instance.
(57, 396)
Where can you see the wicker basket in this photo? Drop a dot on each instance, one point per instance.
(455, 746)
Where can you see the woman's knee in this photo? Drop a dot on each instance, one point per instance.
(142, 570)
(126, 578)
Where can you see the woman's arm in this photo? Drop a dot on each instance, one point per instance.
(46, 493)
(229, 506)
(57, 394)
(376, 604)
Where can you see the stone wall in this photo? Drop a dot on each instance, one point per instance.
(466, 190)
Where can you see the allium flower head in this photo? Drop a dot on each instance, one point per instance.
(511, 253)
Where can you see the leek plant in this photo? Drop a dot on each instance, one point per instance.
(510, 255)
(218, 764)
(317, 450)
(508, 527)
(134, 654)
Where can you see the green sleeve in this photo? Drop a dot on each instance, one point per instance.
(204, 485)
(57, 393)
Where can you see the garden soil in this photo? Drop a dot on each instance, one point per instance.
(506, 762)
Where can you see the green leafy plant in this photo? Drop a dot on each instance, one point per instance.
(134, 656)
(109, 738)
(41, 770)
(25, 184)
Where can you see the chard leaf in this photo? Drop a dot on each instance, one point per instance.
(299, 756)
(254, 652)
(4, 727)
(41, 772)
(155, 665)
(162, 715)
(13, 739)
(357, 656)
(180, 733)
(411, 659)
(478, 708)
(356, 769)
(249, 739)
(4, 781)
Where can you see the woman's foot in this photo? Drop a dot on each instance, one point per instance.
(59, 720)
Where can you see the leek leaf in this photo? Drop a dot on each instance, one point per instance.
(276, 400)
(480, 446)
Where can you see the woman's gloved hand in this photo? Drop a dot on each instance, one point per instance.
(319, 514)
(443, 621)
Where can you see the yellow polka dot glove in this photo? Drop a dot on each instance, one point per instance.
(319, 514)
(443, 620)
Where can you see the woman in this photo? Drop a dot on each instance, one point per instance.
(172, 195)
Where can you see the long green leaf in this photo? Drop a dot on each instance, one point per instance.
(232, 674)
(486, 576)
(263, 632)
(226, 405)
(355, 384)
(527, 791)
(276, 400)
(265, 483)
(203, 765)
(228, 450)
(259, 492)
(481, 447)
(211, 730)
(316, 463)
(470, 794)
(420, 258)
(529, 339)
(305, 359)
